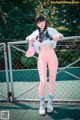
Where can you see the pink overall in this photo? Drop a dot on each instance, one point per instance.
(47, 58)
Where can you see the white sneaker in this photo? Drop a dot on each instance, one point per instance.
(50, 108)
(42, 110)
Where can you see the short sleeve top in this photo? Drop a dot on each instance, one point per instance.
(51, 31)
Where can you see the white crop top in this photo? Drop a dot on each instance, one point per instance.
(51, 31)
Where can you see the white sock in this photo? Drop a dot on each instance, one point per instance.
(42, 100)
(50, 99)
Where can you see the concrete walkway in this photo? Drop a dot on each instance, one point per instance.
(29, 111)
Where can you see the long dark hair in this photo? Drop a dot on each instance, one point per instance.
(40, 18)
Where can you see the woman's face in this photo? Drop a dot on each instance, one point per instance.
(41, 24)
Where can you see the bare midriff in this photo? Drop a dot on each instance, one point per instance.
(46, 47)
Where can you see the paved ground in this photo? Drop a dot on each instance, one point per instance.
(29, 111)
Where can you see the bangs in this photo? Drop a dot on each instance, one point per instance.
(39, 18)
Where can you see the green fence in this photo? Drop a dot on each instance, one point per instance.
(33, 76)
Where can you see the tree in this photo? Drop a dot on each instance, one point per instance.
(16, 19)
(64, 17)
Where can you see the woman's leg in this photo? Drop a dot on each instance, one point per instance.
(42, 65)
(42, 69)
(52, 66)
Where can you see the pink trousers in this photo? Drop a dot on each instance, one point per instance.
(47, 58)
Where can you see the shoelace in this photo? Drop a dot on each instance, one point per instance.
(50, 106)
(42, 106)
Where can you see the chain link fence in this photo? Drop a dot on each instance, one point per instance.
(24, 74)
(4, 79)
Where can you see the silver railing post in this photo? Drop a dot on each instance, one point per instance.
(6, 68)
(11, 93)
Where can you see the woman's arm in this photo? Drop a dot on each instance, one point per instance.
(30, 39)
(55, 34)
(57, 37)
(31, 50)
(32, 36)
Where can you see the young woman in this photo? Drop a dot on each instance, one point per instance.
(43, 41)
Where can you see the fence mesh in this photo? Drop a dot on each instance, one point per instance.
(25, 74)
(3, 79)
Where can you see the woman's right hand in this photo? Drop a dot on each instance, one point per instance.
(30, 52)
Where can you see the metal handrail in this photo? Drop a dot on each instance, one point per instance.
(63, 39)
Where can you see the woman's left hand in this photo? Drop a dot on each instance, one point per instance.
(56, 37)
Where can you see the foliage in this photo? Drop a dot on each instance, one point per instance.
(61, 16)
(17, 17)
(17, 21)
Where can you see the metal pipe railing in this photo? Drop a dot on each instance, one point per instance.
(3, 47)
(64, 39)
(12, 44)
